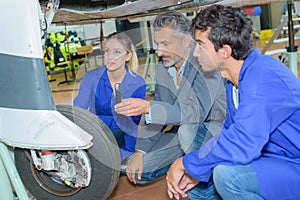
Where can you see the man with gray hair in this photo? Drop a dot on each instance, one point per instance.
(190, 101)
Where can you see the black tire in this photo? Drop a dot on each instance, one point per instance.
(104, 157)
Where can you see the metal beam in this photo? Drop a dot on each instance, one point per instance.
(144, 8)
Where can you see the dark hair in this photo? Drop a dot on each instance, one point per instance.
(228, 25)
(175, 20)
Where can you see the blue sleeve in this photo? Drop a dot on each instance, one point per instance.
(254, 121)
(83, 98)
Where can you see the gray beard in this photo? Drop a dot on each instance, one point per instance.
(173, 61)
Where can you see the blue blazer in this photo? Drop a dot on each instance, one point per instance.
(96, 95)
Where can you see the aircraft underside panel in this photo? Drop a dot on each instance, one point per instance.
(24, 83)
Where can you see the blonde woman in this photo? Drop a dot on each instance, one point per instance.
(97, 90)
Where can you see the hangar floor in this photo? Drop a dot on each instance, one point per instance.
(65, 93)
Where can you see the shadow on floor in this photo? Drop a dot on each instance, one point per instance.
(125, 190)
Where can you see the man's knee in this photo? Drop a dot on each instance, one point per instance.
(232, 179)
(191, 136)
(222, 174)
(186, 135)
(223, 178)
